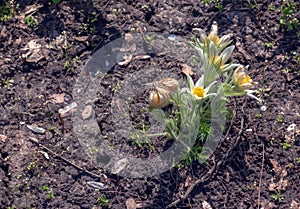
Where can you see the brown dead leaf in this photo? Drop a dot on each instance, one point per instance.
(276, 167)
(266, 204)
(81, 38)
(33, 51)
(130, 203)
(187, 182)
(187, 69)
(87, 112)
(295, 205)
(206, 205)
(3, 138)
(280, 185)
(57, 98)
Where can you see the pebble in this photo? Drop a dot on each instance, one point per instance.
(172, 37)
(97, 185)
(263, 108)
(36, 129)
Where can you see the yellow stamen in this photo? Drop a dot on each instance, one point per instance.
(198, 91)
(215, 39)
(247, 79)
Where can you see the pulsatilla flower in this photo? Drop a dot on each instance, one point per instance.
(197, 89)
(213, 37)
(241, 80)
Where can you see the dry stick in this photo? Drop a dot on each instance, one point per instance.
(260, 175)
(211, 171)
(32, 139)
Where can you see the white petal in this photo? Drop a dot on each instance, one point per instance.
(209, 86)
(225, 55)
(200, 82)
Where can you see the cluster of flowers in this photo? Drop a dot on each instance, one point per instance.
(214, 53)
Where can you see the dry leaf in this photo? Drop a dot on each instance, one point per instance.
(295, 205)
(81, 38)
(57, 98)
(187, 182)
(126, 61)
(276, 167)
(3, 138)
(206, 205)
(87, 112)
(67, 110)
(130, 203)
(266, 205)
(280, 185)
(187, 69)
(33, 53)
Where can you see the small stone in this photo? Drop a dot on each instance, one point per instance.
(36, 129)
(97, 185)
(263, 108)
(291, 127)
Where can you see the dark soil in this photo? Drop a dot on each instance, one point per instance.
(256, 159)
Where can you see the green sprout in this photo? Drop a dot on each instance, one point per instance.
(56, 1)
(277, 196)
(271, 7)
(269, 45)
(7, 10)
(30, 21)
(102, 201)
(287, 18)
(285, 145)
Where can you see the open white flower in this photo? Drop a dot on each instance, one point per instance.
(197, 89)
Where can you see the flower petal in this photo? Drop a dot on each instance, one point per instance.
(200, 81)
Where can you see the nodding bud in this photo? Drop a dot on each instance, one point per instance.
(159, 98)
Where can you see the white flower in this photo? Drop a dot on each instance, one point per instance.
(198, 90)
(241, 80)
(213, 37)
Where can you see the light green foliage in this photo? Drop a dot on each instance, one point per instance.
(285, 145)
(7, 10)
(218, 3)
(30, 21)
(102, 201)
(277, 196)
(71, 64)
(288, 18)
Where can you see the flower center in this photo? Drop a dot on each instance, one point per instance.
(247, 79)
(214, 39)
(198, 91)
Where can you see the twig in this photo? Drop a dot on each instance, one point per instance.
(260, 175)
(34, 140)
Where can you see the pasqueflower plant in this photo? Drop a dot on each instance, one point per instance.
(219, 79)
